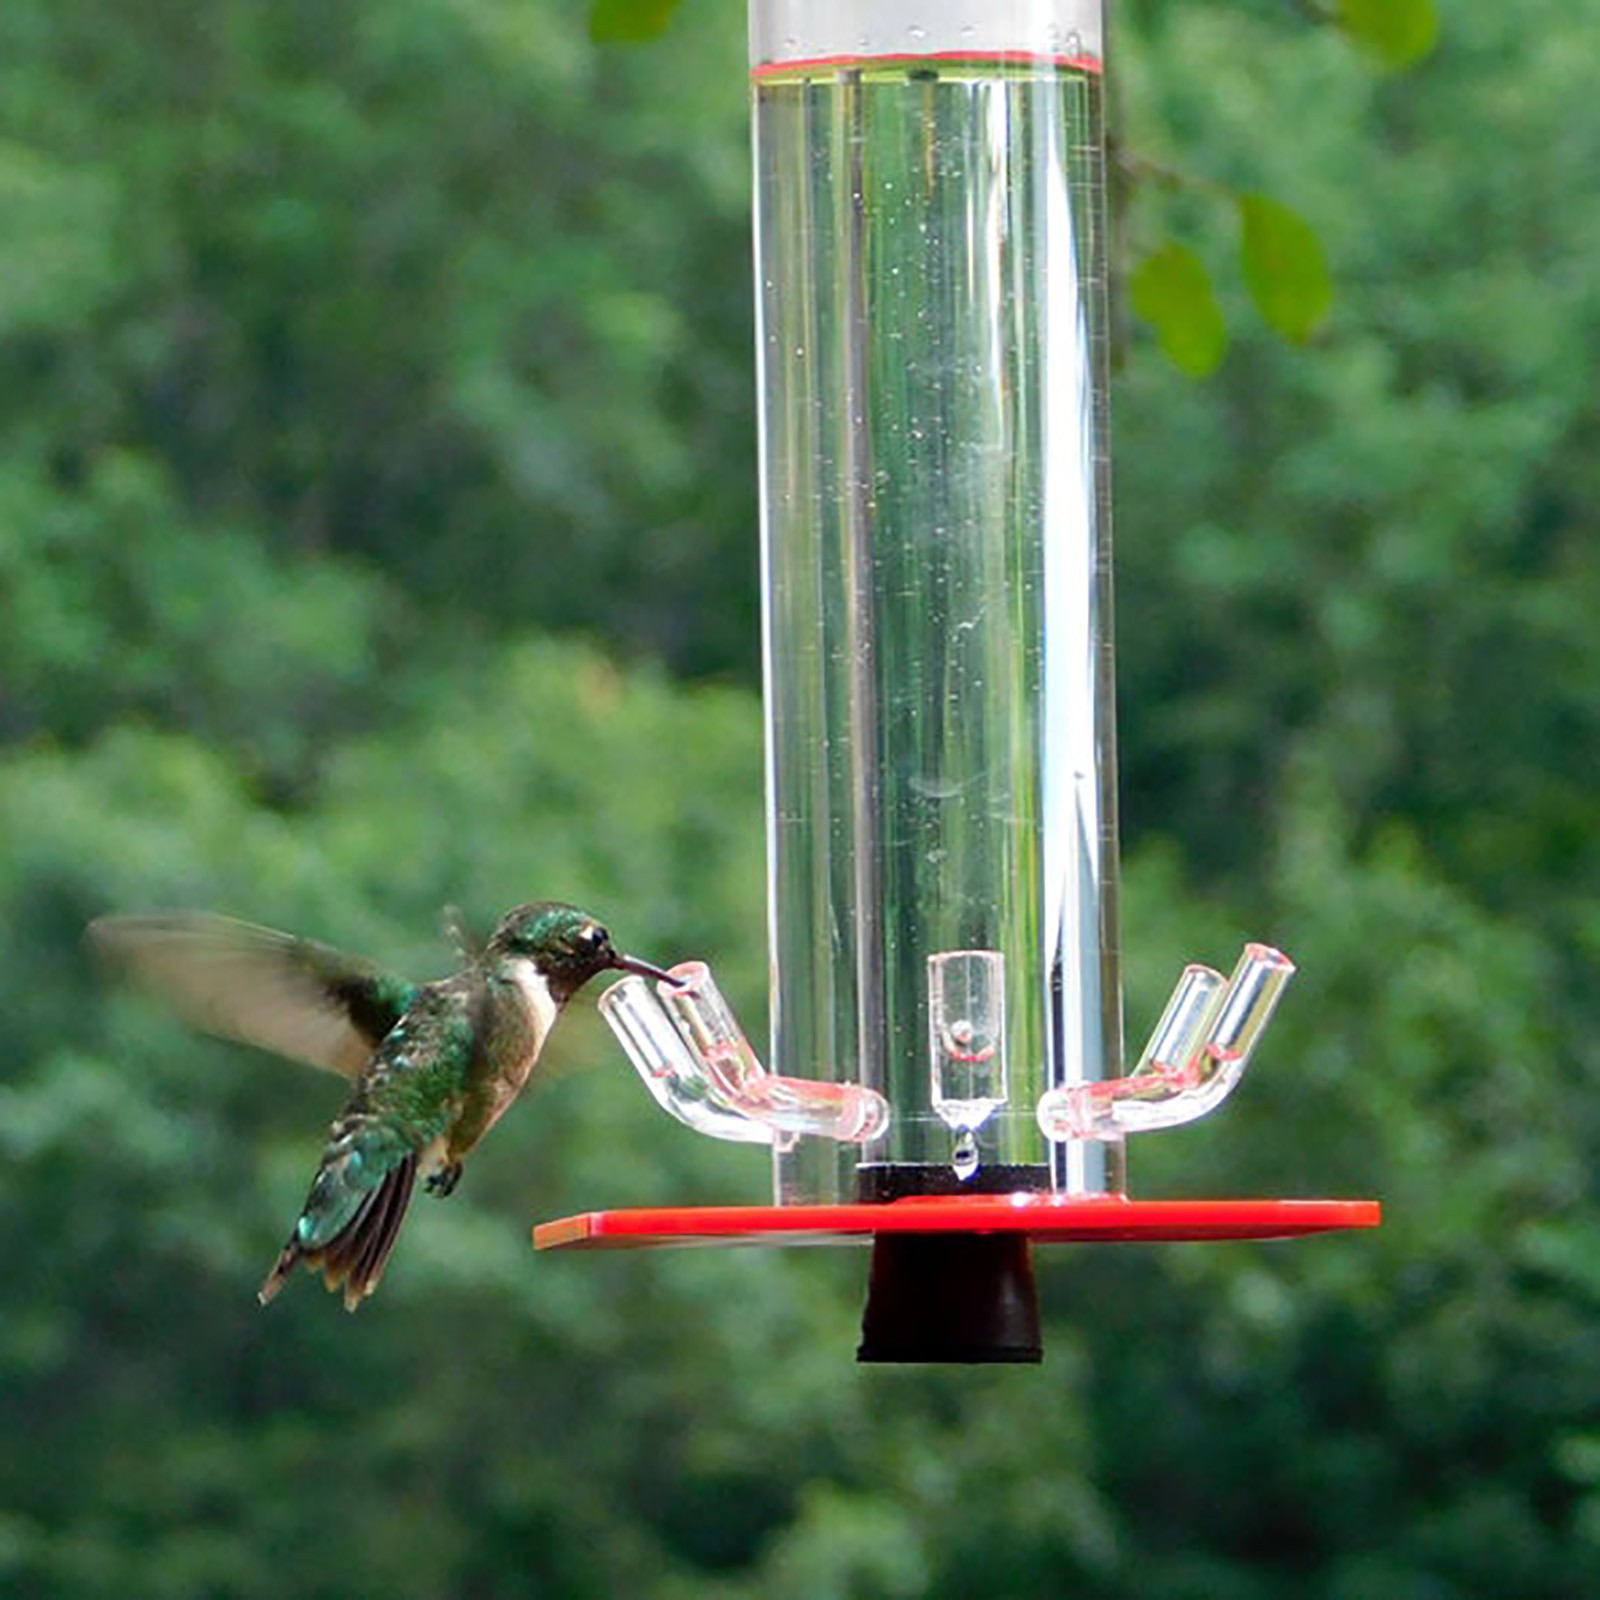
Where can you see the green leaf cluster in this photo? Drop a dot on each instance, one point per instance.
(1284, 269)
(1281, 257)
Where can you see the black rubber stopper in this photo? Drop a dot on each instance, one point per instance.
(966, 1297)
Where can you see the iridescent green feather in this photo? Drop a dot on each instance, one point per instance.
(409, 1097)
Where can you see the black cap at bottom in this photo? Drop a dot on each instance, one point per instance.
(966, 1297)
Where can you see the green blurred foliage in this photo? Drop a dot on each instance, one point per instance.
(376, 520)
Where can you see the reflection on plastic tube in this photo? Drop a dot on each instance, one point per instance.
(1185, 1023)
(1193, 1062)
(687, 1045)
(651, 1042)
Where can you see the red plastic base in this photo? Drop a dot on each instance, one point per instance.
(1047, 1218)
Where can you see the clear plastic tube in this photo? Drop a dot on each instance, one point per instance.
(967, 1036)
(1194, 1061)
(936, 559)
(967, 1046)
(1184, 1025)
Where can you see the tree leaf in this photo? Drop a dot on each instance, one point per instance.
(1172, 291)
(1398, 32)
(1284, 267)
(630, 21)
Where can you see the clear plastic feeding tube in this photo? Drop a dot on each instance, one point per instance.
(936, 572)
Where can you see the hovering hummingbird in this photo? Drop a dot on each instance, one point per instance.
(434, 1064)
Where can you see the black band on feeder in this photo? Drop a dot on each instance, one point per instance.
(881, 1181)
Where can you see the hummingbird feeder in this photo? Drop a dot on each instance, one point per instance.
(946, 1062)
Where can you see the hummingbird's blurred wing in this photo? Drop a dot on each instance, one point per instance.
(293, 996)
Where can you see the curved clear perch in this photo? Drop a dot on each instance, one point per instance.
(652, 1043)
(847, 1112)
(1193, 1062)
(687, 1045)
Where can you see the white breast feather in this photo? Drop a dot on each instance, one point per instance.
(536, 992)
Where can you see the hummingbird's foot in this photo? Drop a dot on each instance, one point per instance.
(444, 1181)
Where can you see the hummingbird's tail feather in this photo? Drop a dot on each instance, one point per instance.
(354, 1259)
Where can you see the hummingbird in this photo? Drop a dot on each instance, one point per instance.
(433, 1065)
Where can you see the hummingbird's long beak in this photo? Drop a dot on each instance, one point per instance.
(645, 969)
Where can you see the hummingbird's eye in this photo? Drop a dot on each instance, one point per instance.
(594, 938)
